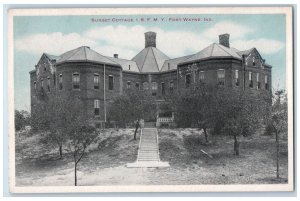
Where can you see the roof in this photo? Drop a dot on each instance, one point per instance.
(245, 52)
(52, 57)
(150, 59)
(124, 63)
(84, 53)
(214, 51)
(172, 63)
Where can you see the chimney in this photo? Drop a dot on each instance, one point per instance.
(116, 55)
(224, 40)
(150, 39)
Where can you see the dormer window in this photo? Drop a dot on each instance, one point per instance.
(253, 61)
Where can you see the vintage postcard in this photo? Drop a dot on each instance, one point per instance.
(177, 99)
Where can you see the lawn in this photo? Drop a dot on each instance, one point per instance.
(38, 164)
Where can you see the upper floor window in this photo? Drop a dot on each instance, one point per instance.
(258, 81)
(145, 86)
(253, 61)
(221, 77)
(96, 107)
(137, 85)
(171, 86)
(163, 88)
(187, 80)
(266, 82)
(201, 76)
(48, 83)
(128, 85)
(34, 83)
(110, 82)
(250, 80)
(60, 80)
(236, 77)
(76, 81)
(96, 81)
(154, 88)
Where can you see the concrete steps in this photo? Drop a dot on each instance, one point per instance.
(148, 153)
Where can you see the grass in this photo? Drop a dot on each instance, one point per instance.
(104, 164)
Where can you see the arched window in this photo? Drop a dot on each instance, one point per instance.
(76, 81)
(60, 82)
(96, 81)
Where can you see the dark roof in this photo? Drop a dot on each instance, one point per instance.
(52, 57)
(150, 59)
(245, 52)
(124, 63)
(84, 53)
(172, 63)
(214, 51)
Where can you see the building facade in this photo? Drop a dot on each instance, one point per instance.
(97, 79)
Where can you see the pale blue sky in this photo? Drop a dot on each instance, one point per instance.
(57, 34)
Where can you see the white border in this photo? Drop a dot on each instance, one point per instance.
(143, 11)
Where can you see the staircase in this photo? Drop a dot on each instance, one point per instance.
(148, 153)
(148, 148)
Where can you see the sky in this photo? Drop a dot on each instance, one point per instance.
(35, 35)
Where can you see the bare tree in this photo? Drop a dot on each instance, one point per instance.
(279, 121)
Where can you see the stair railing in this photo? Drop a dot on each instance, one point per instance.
(157, 145)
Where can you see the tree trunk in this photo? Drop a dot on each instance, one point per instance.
(277, 155)
(205, 134)
(75, 172)
(136, 128)
(236, 146)
(60, 152)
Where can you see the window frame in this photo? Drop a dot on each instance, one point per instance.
(250, 79)
(236, 78)
(163, 88)
(48, 83)
(147, 86)
(111, 83)
(96, 83)
(171, 86)
(202, 76)
(97, 107)
(76, 83)
(60, 82)
(190, 82)
(128, 85)
(221, 80)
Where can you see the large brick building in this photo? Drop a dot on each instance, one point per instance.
(97, 78)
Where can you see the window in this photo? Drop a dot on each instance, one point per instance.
(221, 77)
(237, 80)
(258, 82)
(129, 67)
(34, 83)
(171, 86)
(48, 84)
(137, 85)
(187, 80)
(128, 85)
(163, 89)
(145, 86)
(168, 66)
(42, 84)
(60, 80)
(110, 82)
(266, 82)
(253, 61)
(154, 88)
(96, 81)
(250, 80)
(76, 80)
(201, 76)
(96, 107)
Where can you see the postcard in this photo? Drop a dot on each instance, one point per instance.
(170, 99)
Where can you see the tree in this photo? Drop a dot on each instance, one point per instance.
(131, 107)
(279, 121)
(241, 111)
(22, 118)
